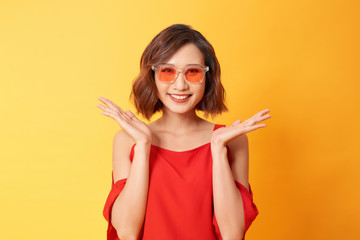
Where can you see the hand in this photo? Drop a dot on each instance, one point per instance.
(222, 136)
(135, 128)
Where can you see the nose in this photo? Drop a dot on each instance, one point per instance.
(180, 82)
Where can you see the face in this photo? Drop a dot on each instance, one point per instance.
(169, 94)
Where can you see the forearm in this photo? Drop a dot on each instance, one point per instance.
(228, 205)
(128, 211)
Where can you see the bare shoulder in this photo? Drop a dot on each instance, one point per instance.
(122, 145)
(239, 151)
(238, 143)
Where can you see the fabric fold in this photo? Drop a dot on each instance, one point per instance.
(250, 209)
(113, 194)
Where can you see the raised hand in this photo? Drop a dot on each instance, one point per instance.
(222, 136)
(135, 128)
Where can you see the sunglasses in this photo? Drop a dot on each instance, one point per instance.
(168, 74)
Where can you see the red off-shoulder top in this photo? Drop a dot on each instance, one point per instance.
(180, 196)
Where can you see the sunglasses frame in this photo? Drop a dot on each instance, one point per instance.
(204, 68)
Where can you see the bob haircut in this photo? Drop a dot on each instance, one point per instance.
(160, 49)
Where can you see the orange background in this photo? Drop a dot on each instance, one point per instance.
(300, 59)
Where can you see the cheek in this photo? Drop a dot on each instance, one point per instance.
(161, 90)
(202, 91)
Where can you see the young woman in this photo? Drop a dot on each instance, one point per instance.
(181, 176)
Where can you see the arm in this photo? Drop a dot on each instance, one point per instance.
(228, 203)
(128, 211)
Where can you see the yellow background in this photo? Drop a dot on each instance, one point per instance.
(300, 59)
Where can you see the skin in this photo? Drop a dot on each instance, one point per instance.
(180, 129)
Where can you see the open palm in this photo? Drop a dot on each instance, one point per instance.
(222, 136)
(135, 128)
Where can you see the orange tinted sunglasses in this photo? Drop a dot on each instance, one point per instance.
(168, 74)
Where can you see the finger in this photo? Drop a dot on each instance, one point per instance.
(107, 103)
(116, 106)
(236, 123)
(133, 116)
(117, 109)
(252, 128)
(110, 110)
(126, 116)
(122, 113)
(250, 122)
(265, 117)
(112, 115)
(262, 118)
(102, 107)
(119, 114)
(110, 104)
(263, 112)
(121, 120)
(256, 119)
(129, 114)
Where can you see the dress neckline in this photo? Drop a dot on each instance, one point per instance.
(185, 151)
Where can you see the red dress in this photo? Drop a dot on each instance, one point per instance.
(180, 196)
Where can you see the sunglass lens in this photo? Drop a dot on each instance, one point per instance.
(166, 74)
(194, 74)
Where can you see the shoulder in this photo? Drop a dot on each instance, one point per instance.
(122, 136)
(239, 142)
(122, 144)
(122, 141)
(239, 151)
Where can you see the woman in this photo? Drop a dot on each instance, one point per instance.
(179, 177)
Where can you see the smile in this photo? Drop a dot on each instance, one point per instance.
(180, 97)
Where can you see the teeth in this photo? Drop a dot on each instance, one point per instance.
(179, 97)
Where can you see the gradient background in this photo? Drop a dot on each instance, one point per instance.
(300, 59)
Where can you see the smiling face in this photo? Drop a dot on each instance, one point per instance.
(171, 95)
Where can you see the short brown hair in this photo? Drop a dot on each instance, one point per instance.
(161, 48)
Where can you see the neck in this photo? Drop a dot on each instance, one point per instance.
(179, 122)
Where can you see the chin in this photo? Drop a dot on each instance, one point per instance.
(178, 107)
(180, 110)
